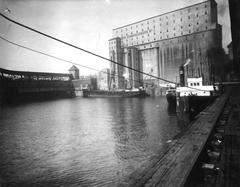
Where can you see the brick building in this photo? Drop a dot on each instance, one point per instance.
(160, 44)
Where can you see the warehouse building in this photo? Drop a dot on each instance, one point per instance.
(160, 44)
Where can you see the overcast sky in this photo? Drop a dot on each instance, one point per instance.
(85, 23)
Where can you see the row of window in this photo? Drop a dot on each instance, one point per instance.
(166, 23)
(156, 31)
(154, 28)
(127, 44)
(166, 33)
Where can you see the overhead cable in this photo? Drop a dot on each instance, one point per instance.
(76, 47)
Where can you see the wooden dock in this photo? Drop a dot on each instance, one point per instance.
(174, 166)
(230, 160)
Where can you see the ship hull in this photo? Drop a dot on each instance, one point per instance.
(189, 106)
(101, 93)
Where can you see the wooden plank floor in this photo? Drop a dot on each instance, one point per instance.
(173, 168)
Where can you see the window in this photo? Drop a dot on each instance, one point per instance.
(206, 13)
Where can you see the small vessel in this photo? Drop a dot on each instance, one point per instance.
(193, 98)
(114, 93)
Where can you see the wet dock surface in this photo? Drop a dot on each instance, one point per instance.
(173, 168)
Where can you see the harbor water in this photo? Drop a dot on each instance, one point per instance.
(82, 141)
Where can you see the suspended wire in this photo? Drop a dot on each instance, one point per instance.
(68, 61)
(89, 52)
(76, 47)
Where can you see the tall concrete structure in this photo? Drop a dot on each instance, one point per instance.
(160, 44)
(103, 79)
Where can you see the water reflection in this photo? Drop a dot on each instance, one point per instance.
(81, 142)
(171, 110)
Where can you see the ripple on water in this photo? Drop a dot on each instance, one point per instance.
(81, 142)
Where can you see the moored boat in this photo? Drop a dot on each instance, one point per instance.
(193, 98)
(114, 93)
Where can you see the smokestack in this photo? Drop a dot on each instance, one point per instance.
(181, 75)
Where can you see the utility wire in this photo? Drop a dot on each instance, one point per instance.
(61, 59)
(76, 47)
(89, 52)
